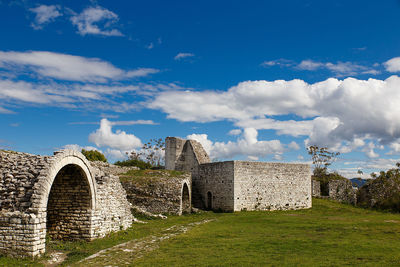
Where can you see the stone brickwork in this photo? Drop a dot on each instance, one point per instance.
(60, 195)
(272, 186)
(215, 184)
(161, 195)
(342, 190)
(187, 155)
(316, 188)
(111, 168)
(240, 185)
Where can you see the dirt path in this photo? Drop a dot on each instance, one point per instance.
(123, 254)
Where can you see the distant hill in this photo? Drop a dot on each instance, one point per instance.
(358, 182)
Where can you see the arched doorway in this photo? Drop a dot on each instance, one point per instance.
(209, 200)
(69, 205)
(186, 207)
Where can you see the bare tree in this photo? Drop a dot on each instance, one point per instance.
(321, 158)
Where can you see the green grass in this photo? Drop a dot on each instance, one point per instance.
(149, 175)
(329, 234)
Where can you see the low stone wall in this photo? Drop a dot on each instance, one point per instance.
(161, 195)
(342, 190)
(21, 234)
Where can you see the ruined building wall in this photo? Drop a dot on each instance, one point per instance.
(316, 188)
(271, 186)
(60, 195)
(161, 195)
(173, 149)
(342, 190)
(187, 155)
(216, 185)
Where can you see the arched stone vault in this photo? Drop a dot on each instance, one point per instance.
(25, 185)
(47, 176)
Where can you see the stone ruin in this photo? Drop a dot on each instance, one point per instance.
(340, 190)
(65, 197)
(239, 185)
(61, 196)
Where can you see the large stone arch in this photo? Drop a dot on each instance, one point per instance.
(47, 176)
(97, 202)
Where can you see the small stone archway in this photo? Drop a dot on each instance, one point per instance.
(186, 203)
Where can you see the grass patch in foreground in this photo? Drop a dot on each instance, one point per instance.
(329, 234)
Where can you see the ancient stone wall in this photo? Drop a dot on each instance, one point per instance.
(216, 185)
(161, 195)
(342, 190)
(111, 168)
(173, 149)
(187, 155)
(316, 188)
(113, 211)
(58, 195)
(271, 186)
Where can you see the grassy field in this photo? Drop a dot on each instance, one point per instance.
(329, 234)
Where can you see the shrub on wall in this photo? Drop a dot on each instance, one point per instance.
(93, 155)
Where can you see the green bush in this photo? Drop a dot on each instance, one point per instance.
(94, 155)
(383, 192)
(134, 163)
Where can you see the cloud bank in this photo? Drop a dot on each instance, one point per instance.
(340, 114)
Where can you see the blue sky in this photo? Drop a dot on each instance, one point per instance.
(257, 80)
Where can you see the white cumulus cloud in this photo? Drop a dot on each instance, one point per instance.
(393, 65)
(340, 114)
(105, 137)
(96, 21)
(246, 145)
(44, 14)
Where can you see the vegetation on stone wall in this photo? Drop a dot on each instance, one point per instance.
(94, 155)
(148, 175)
(383, 192)
(134, 163)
